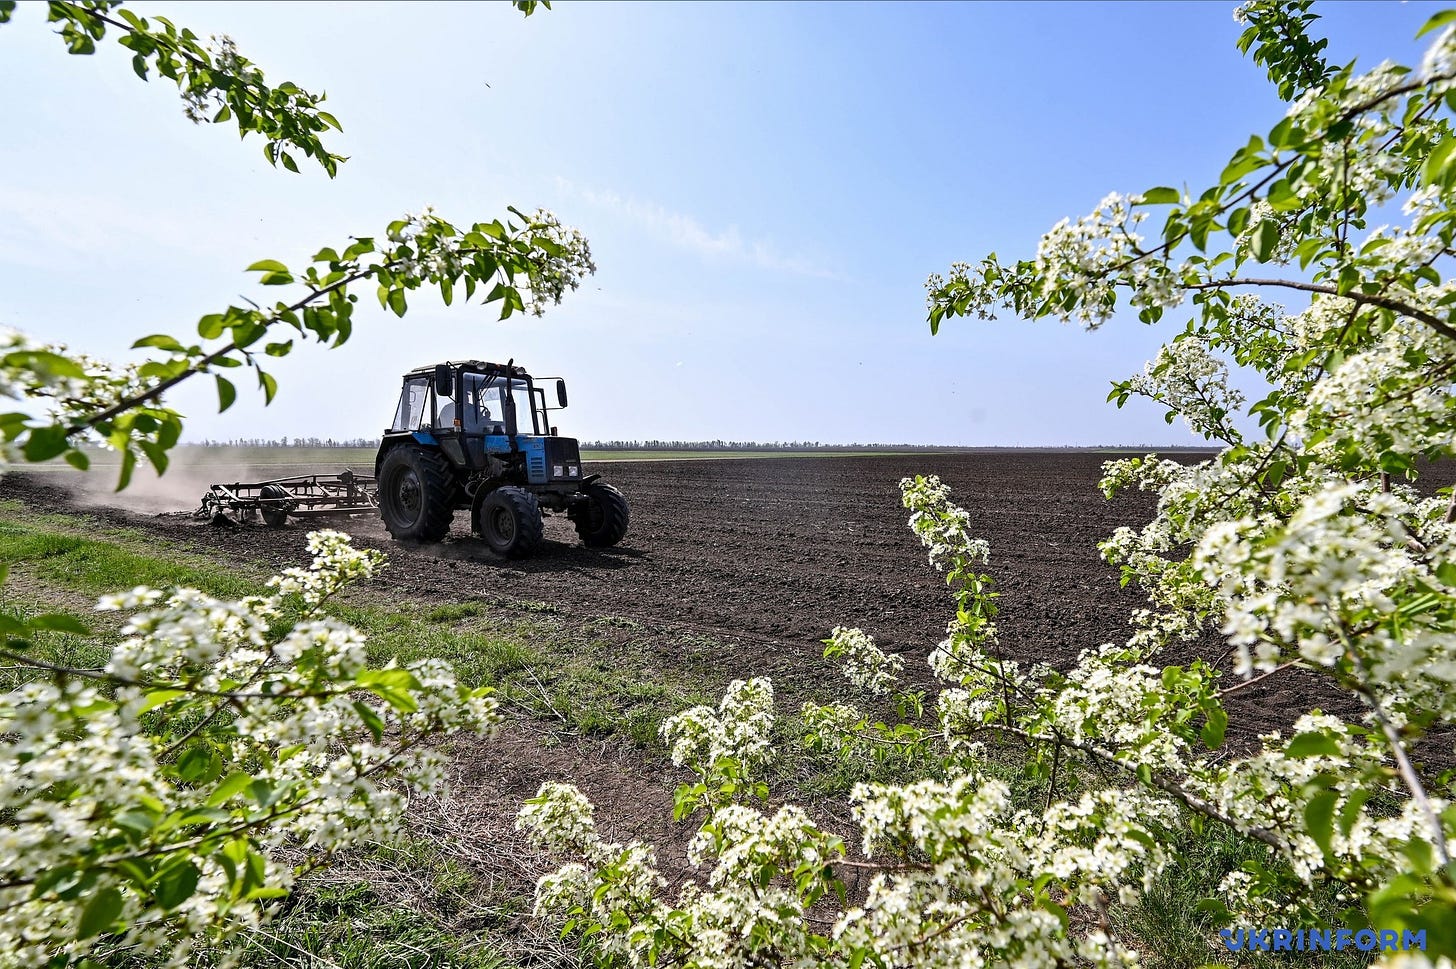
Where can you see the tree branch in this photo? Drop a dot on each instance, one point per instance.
(1368, 299)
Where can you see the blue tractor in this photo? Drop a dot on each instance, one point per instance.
(477, 436)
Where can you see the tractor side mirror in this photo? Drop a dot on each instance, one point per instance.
(561, 392)
(444, 381)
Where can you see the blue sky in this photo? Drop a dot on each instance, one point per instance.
(765, 186)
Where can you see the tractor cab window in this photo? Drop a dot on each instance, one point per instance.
(526, 422)
(480, 404)
(414, 406)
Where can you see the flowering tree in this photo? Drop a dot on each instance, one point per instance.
(522, 261)
(144, 802)
(1304, 546)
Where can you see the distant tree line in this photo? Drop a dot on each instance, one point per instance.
(718, 445)
(287, 442)
(657, 445)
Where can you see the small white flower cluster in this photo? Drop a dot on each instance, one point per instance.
(738, 730)
(200, 101)
(562, 259)
(862, 662)
(552, 257)
(1438, 65)
(1089, 255)
(736, 918)
(1343, 561)
(943, 528)
(1273, 789)
(336, 564)
(1188, 378)
(831, 726)
(217, 742)
(77, 386)
(1374, 401)
(1116, 705)
(966, 903)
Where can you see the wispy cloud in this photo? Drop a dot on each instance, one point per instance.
(37, 228)
(686, 232)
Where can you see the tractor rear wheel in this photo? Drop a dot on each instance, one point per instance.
(416, 494)
(275, 512)
(509, 519)
(601, 520)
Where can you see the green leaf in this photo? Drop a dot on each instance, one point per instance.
(371, 719)
(1437, 22)
(77, 460)
(1437, 169)
(233, 784)
(1313, 745)
(98, 914)
(226, 393)
(1215, 727)
(45, 443)
(210, 327)
(1266, 240)
(61, 623)
(156, 698)
(1350, 813)
(176, 885)
(1319, 818)
(1238, 220)
(1161, 195)
(267, 266)
(264, 793)
(128, 468)
(269, 385)
(199, 764)
(161, 340)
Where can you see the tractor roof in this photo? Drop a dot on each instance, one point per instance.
(481, 365)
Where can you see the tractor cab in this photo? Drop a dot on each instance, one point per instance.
(463, 431)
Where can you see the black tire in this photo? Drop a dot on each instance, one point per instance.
(416, 494)
(509, 519)
(276, 515)
(602, 519)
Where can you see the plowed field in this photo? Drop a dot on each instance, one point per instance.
(765, 556)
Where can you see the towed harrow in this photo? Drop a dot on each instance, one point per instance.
(302, 496)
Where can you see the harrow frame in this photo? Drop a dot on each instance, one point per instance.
(299, 496)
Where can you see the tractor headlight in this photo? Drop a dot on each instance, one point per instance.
(575, 471)
(556, 471)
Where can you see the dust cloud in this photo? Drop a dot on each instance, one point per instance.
(190, 472)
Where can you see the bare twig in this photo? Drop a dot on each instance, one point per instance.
(1262, 676)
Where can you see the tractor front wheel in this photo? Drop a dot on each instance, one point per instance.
(601, 519)
(416, 494)
(509, 519)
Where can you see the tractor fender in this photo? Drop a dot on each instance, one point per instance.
(393, 441)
